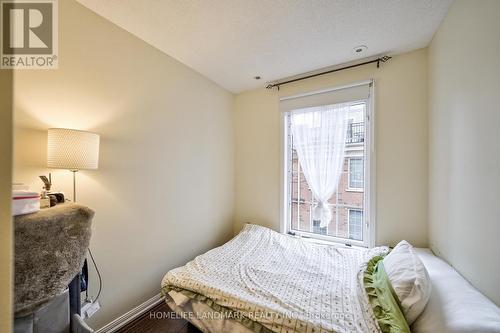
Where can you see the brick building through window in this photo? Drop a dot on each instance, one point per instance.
(347, 203)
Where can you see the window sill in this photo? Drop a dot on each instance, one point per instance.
(332, 243)
(357, 190)
(326, 242)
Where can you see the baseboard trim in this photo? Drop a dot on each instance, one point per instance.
(131, 315)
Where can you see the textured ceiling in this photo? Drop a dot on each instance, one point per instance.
(231, 41)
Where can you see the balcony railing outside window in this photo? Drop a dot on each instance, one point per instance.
(355, 133)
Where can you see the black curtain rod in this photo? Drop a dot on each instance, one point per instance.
(378, 61)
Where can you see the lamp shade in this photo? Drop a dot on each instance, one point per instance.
(72, 149)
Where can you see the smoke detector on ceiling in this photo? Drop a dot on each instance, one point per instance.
(361, 49)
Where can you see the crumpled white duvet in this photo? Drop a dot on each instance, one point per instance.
(282, 282)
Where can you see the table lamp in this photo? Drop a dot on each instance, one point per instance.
(73, 150)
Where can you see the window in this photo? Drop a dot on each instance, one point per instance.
(314, 205)
(355, 224)
(356, 173)
(317, 229)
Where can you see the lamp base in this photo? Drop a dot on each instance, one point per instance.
(74, 184)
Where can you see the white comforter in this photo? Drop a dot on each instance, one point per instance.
(282, 283)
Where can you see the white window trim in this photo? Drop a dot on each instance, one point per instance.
(369, 231)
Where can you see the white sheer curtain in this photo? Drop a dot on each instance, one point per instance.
(319, 135)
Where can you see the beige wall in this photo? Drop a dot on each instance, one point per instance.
(6, 83)
(163, 191)
(464, 143)
(401, 147)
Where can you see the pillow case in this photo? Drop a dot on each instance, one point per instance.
(409, 279)
(383, 299)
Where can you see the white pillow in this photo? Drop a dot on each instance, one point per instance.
(409, 278)
(455, 306)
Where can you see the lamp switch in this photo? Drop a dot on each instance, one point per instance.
(44, 202)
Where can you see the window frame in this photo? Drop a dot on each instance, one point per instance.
(369, 213)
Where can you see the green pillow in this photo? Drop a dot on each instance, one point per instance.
(383, 299)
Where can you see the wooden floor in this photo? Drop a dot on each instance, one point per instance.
(159, 319)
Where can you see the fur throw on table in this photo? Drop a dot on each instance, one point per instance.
(50, 247)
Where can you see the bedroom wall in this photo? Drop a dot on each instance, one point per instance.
(163, 192)
(464, 142)
(401, 147)
(6, 83)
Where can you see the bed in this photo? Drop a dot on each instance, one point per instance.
(264, 281)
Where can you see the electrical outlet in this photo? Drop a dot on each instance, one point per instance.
(84, 308)
(90, 308)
